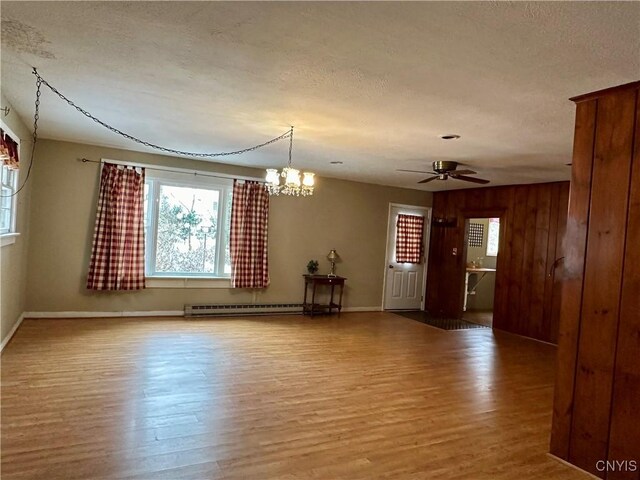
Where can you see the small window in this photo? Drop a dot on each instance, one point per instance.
(9, 164)
(493, 237)
(187, 226)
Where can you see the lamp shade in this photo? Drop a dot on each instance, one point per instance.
(272, 176)
(333, 255)
(292, 176)
(307, 179)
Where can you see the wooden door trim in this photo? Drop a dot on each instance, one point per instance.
(465, 214)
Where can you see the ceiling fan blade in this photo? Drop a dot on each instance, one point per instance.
(430, 179)
(462, 172)
(412, 171)
(471, 179)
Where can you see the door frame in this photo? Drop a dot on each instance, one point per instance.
(467, 214)
(427, 235)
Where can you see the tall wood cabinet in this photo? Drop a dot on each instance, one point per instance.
(596, 415)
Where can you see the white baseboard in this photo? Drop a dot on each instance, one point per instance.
(12, 332)
(143, 313)
(147, 313)
(362, 309)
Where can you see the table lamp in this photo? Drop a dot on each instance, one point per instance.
(332, 257)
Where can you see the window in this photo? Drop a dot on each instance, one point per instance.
(187, 223)
(9, 163)
(8, 200)
(493, 237)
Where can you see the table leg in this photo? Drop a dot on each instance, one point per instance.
(313, 297)
(304, 303)
(331, 299)
(466, 291)
(340, 302)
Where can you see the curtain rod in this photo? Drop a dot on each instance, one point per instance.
(175, 170)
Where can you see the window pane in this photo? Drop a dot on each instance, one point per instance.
(493, 237)
(187, 223)
(227, 234)
(6, 198)
(5, 220)
(146, 210)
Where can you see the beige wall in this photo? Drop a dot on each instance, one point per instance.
(348, 216)
(13, 258)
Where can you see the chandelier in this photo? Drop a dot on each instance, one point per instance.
(292, 185)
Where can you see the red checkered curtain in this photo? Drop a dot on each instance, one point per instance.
(117, 257)
(409, 232)
(249, 225)
(8, 151)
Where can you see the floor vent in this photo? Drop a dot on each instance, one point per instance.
(212, 310)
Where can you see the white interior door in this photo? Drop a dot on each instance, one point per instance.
(404, 282)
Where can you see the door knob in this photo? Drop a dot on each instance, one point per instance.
(390, 266)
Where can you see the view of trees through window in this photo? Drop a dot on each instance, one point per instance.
(7, 187)
(187, 230)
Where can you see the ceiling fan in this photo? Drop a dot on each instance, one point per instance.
(442, 170)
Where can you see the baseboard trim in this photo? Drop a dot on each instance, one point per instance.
(564, 462)
(143, 313)
(524, 336)
(362, 309)
(10, 335)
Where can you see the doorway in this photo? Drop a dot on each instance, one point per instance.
(481, 255)
(408, 233)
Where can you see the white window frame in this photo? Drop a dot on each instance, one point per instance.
(8, 237)
(156, 179)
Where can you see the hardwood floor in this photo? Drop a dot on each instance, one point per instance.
(481, 317)
(364, 396)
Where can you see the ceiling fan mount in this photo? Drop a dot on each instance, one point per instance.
(444, 169)
(444, 166)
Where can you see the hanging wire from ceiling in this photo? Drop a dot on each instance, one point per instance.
(149, 144)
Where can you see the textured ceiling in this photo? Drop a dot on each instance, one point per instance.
(368, 84)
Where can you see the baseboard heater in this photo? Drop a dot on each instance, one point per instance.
(240, 309)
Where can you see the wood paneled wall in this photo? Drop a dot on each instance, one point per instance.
(532, 226)
(597, 399)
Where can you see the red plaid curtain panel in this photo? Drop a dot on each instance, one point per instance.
(249, 225)
(117, 257)
(409, 232)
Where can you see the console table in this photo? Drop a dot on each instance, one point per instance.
(313, 281)
(469, 271)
